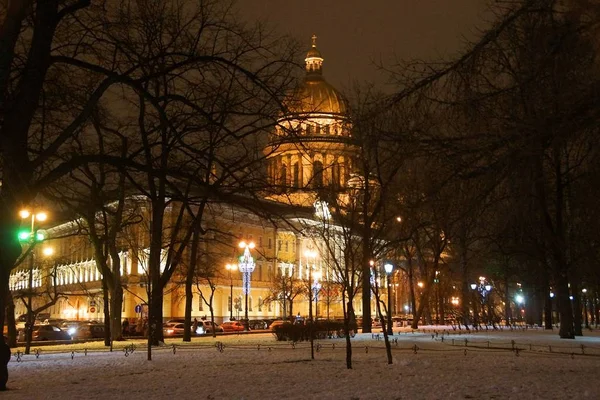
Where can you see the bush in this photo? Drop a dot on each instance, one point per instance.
(318, 330)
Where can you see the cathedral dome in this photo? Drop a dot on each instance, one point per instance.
(314, 94)
(317, 96)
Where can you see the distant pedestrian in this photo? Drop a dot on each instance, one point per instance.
(125, 326)
(4, 359)
(195, 326)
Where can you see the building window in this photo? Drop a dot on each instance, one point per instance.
(228, 303)
(287, 248)
(318, 174)
(260, 304)
(335, 175)
(283, 176)
(270, 244)
(295, 175)
(249, 303)
(200, 304)
(279, 245)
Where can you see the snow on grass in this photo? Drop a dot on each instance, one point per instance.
(259, 367)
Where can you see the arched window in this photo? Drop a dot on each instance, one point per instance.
(318, 174)
(335, 175)
(295, 175)
(283, 176)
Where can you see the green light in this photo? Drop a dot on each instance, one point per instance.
(24, 235)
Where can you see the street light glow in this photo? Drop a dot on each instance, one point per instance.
(48, 251)
(24, 214)
(389, 267)
(519, 299)
(41, 216)
(231, 267)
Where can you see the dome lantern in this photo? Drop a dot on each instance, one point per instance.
(313, 60)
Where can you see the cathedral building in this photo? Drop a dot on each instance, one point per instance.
(309, 153)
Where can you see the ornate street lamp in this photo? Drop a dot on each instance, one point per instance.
(316, 288)
(246, 267)
(31, 236)
(230, 268)
(483, 288)
(389, 268)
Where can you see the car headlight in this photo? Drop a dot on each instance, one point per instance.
(72, 331)
(199, 330)
(170, 331)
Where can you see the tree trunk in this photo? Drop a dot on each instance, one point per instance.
(349, 316)
(116, 293)
(366, 287)
(547, 311)
(577, 321)
(565, 309)
(116, 307)
(10, 320)
(189, 298)
(106, 307)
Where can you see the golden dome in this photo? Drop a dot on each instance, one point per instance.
(317, 96)
(314, 94)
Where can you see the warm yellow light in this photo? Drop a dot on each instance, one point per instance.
(371, 263)
(420, 284)
(242, 244)
(310, 253)
(48, 251)
(399, 219)
(24, 213)
(231, 267)
(251, 245)
(316, 276)
(42, 216)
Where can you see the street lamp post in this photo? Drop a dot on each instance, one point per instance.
(246, 267)
(389, 268)
(31, 236)
(230, 268)
(310, 254)
(483, 288)
(316, 287)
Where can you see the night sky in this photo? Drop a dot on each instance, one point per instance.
(352, 34)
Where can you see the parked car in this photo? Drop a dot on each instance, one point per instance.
(175, 321)
(257, 324)
(174, 329)
(277, 323)
(232, 326)
(208, 327)
(88, 331)
(71, 326)
(45, 332)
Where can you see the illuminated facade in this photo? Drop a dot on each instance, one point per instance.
(310, 151)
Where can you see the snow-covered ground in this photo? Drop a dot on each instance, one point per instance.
(479, 365)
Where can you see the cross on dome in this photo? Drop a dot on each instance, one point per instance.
(314, 61)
